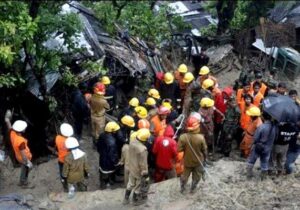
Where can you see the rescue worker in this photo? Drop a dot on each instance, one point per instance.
(242, 92)
(263, 140)
(192, 143)
(129, 110)
(230, 126)
(127, 126)
(204, 74)
(75, 168)
(263, 86)
(293, 94)
(159, 121)
(21, 150)
(292, 153)
(257, 95)
(154, 94)
(150, 105)
(140, 113)
(219, 103)
(66, 131)
(165, 151)
(179, 76)
(110, 94)
(108, 154)
(143, 123)
(98, 107)
(138, 168)
(254, 123)
(188, 79)
(169, 89)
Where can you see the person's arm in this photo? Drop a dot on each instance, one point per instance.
(181, 143)
(257, 134)
(7, 119)
(204, 148)
(220, 113)
(143, 163)
(66, 168)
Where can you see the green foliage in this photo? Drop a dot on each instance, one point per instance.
(210, 30)
(69, 79)
(52, 104)
(138, 17)
(94, 66)
(210, 7)
(9, 81)
(247, 13)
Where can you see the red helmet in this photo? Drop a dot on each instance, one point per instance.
(228, 91)
(143, 123)
(192, 123)
(162, 110)
(99, 88)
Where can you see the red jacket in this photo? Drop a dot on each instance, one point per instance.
(165, 150)
(219, 104)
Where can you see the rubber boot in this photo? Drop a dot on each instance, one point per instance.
(64, 184)
(249, 172)
(136, 199)
(263, 175)
(126, 198)
(182, 186)
(194, 186)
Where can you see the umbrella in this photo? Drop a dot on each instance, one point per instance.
(281, 108)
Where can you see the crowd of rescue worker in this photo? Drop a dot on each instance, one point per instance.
(173, 130)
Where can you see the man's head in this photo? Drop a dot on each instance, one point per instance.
(256, 86)
(248, 99)
(293, 94)
(281, 88)
(258, 76)
(246, 86)
(163, 112)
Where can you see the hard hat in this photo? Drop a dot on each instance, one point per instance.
(192, 123)
(141, 112)
(206, 102)
(207, 83)
(71, 143)
(112, 127)
(228, 91)
(188, 77)
(162, 110)
(168, 78)
(66, 130)
(154, 93)
(253, 112)
(143, 123)
(134, 102)
(143, 134)
(99, 88)
(204, 70)
(182, 68)
(105, 80)
(128, 120)
(133, 136)
(167, 105)
(196, 115)
(150, 101)
(19, 126)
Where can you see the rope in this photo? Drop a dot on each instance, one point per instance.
(214, 181)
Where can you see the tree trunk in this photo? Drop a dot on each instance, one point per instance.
(225, 10)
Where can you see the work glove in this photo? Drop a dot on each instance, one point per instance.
(29, 164)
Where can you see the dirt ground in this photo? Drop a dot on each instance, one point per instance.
(225, 187)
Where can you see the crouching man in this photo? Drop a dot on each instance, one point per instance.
(138, 168)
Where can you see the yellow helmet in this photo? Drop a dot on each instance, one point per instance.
(134, 102)
(168, 78)
(112, 127)
(207, 83)
(143, 134)
(154, 93)
(141, 112)
(182, 68)
(150, 101)
(128, 120)
(105, 80)
(167, 105)
(133, 135)
(188, 77)
(206, 102)
(253, 112)
(204, 70)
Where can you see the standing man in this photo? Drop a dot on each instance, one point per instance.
(98, 107)
(169, 89)
(110, 93)
(194, 147)
(158, 122)
(22, 151)
(138, 167)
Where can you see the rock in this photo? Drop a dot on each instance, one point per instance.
(47, 205)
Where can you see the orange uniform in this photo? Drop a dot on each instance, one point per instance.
(239, 95)
(262, 89)
(159, 126)
(18, 141)
(257, 99)
(245, 119)
(248, 138)
(179, 163)
(61, 148)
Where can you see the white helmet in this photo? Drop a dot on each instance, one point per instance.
(71, 143)
(19, 126)
(66, 130)
(196, 115)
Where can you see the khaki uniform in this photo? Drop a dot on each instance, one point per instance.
(138, 165)
(98, 106)
(125, 161)
(191, 162)
(74, 170)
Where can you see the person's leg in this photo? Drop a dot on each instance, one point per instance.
(171, 174)
(184, 178)
(62, 179)
(24, 175)
(282, 160)
(81, 186)
(196, 176)
(264, 164)
(290, 160)
(250, 162)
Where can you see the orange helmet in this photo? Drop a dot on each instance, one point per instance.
(99, 88)
(192, 124)
(162, 110)
(143, 123)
